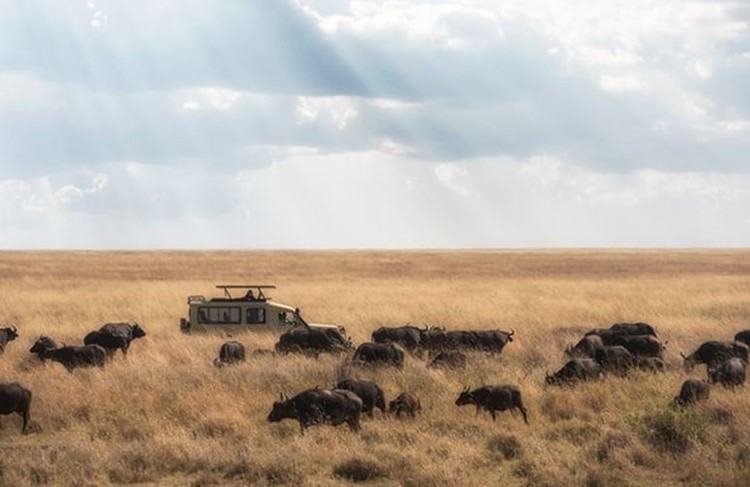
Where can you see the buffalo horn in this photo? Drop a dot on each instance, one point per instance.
(683, 355)
(14, 329)
(511, 332)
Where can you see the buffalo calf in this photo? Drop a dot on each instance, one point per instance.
(407, 403)
(231, 352)
(692, 391)
(730, 373)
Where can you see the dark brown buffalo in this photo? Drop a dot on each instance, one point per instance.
(624, 329)
(641, 345)
(586, 346)
(448, 359)
(15, 398)
(692, 391)
(615, 360)
(743, 336)
(318, 406)
(370, 392)
(408, 336)
(407, 403)
(730, 373)
(713, 353)
(492, 341)
(115, 336)
(575, 370)
(70, 357)
(650, 364)
(494, 398)
(379, 354)
(6, 335)
(230, 353)
(313, 342)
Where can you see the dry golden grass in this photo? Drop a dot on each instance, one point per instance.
(166, 416)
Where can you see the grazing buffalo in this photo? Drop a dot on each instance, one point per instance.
(692, 391)
(370, 392)
(448, 359)
(70, 357)
(743, 336)
(407, 403)
(6, 335)
(14, 398)
(713, 353)
(492, 341)
(494, 398)
(624, 329)
(650, 364)
(313, 341)
(317, 406)
(409, 337)
(230, 353)
(577, 369)
(730, 373)
(616, 359)
(379, 354)
(586, 346)
(641, 345)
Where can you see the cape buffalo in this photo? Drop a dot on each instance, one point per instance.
(650, 364)
(379, 353)
(316, 406)
(370, 392)
(492, 341)
(230, 353)
(743, 336)
(6, 335)
(616, 359)
(449, 359)
(70, 357)
(712, 353)
(692, 391)
(313, 341)
(624, 329)
(407, 336)
(642, 345)
(494, 398)
(577, 369)
(14, 398)
(586, 346)
(730, 373)
(407, 403)
(115, 336)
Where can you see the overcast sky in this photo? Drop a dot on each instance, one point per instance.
(383, 124)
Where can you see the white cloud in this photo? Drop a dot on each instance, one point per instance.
(338, 110)
(453, 177)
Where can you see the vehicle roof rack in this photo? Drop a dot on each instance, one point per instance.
(259, 287)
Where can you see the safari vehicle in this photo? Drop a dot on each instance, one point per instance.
(248, 309)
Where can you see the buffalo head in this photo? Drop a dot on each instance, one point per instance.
(465, 397)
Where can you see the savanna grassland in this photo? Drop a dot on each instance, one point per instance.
(167, 416)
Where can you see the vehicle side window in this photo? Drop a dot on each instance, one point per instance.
(256, 316)
(219, 315)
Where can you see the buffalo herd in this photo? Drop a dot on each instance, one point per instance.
(617, 350)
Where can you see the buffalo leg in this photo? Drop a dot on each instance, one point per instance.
(524, 412)
(492, 413)
(25, 416)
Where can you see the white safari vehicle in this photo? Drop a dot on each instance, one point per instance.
(248, 309)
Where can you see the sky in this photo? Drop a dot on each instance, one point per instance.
(316, 124)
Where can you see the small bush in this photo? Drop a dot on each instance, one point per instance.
(506, 445)
(674, 431)
(359, 470)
